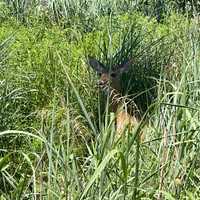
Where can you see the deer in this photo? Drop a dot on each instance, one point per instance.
(109, 83)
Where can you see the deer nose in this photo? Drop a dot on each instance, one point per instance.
(102, 82)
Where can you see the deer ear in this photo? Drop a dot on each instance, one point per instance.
(125, 66)
(96, 65)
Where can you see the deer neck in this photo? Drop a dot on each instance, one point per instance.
(119, 103)
(116, 100)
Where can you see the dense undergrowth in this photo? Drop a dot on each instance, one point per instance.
(54, 143)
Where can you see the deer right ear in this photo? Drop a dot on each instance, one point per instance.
(124, 67)
(96, 65)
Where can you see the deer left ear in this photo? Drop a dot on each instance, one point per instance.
(96, 65)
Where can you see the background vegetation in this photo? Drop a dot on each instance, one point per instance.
(54, 143)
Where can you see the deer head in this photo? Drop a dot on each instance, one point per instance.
(109, 77)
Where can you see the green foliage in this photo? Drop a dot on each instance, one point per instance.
(4, 12)
(86, 14)
(49, 99)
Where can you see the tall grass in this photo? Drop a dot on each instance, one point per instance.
(86, 14)
(55, 146)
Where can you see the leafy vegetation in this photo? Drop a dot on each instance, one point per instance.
(54, 141)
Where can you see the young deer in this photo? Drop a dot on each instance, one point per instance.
(110, 83)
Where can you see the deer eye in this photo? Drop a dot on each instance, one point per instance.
(113, 75)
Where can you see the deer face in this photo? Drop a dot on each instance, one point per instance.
(108, 77)
(104, 80)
